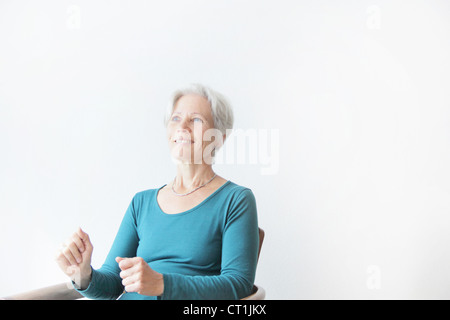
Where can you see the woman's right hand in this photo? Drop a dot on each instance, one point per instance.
(74, 258)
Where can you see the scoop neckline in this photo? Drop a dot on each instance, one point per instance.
(192, 209)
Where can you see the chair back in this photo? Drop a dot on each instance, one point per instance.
(261, 239)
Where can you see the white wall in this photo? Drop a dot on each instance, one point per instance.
(356, 90)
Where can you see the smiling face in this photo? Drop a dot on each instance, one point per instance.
(190, 119)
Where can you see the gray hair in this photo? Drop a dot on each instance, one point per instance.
(221, 110)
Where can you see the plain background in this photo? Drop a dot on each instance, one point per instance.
(358, 91)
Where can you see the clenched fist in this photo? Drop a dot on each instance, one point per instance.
(138, 276)
(74, 258)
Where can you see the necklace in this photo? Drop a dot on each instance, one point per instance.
(185, 194)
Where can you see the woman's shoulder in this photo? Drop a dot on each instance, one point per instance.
(238, 192)
(146, 194)
(240, 200)
(234, 187)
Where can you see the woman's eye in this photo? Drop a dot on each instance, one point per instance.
(175, 118)
(197, 120)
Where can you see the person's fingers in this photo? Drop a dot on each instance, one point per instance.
(118, 259)
(85, 238)
(75, 251)
(126, 273)
(131, 287)
(126, 263)
(79, 243)
(132, 283)
(130, 279)
(61, 259)
(65, 265)
(69, 256)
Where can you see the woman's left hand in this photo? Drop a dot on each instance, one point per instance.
(137, 276)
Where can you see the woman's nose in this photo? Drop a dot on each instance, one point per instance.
(183, 124)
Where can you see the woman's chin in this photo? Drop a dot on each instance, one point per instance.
(181, 155)
(181, 160)
(178, 160)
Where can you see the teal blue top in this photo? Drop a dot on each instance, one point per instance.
(207, 252)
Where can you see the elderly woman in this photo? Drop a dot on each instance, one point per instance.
(193, 238)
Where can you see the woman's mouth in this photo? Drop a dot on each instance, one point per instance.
(183, 141)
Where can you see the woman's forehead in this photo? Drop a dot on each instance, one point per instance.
(193, 104)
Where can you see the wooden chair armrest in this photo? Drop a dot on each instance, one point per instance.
(62, 291)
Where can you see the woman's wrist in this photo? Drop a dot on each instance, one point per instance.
(160, 285)
(83, 279)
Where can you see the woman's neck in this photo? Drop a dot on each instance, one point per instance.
(191, 176)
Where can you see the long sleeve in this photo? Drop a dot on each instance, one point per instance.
(105, 282)
(207, 252)
(240, 241)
